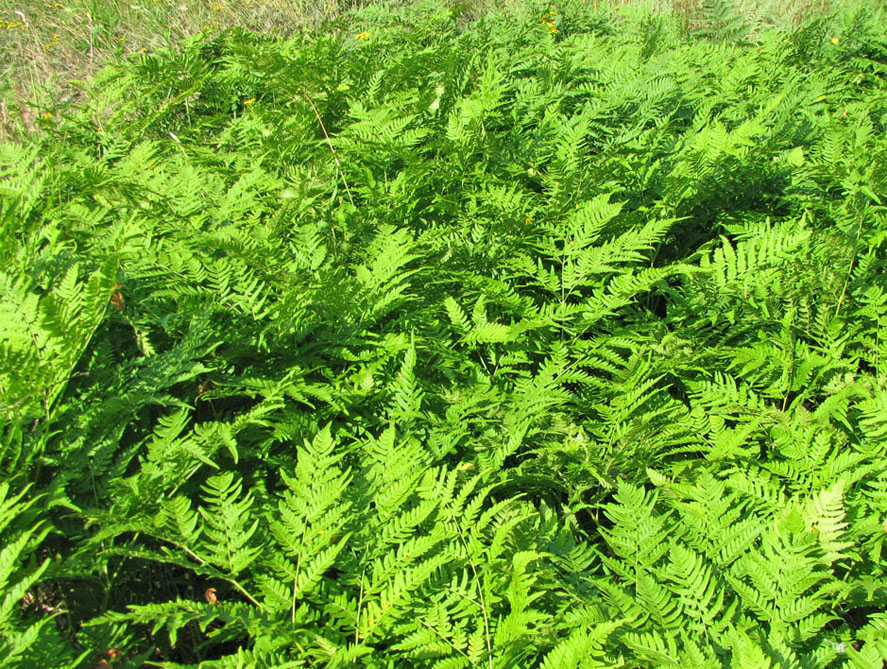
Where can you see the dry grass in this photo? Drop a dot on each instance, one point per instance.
(47, 46)
(779, 13)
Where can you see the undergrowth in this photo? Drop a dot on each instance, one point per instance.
(551, 339)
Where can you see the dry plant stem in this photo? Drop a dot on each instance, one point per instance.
(33, 70)
(91, 33)
(330, 144)
(488, 637)
(850, 270)
(359, 606)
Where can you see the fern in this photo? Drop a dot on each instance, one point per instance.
(542, 336)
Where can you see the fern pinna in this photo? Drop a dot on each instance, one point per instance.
(549, 337)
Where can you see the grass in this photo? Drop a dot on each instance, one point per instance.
(49, 47)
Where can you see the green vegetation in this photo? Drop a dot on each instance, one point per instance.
(554, 337)
(48, 48)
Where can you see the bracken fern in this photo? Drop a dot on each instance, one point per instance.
(551, 338)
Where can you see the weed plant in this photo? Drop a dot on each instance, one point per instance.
(555, 338)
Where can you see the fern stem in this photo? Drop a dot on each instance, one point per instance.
(445, 639)
(199, 560)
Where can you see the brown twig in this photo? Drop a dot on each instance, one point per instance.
(330, 144)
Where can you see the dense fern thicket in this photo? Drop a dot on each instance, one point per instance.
(552, 339)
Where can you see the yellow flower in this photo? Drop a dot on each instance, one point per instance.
(362, 35)
(836, 40)
(46, 115)
(121, 39)
(552, 30)
(56, 37)
(249, 101)
(217, 8)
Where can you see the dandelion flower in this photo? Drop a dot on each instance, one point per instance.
(46, 115)
(362, 35)
(836, 40)
(249, 101)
